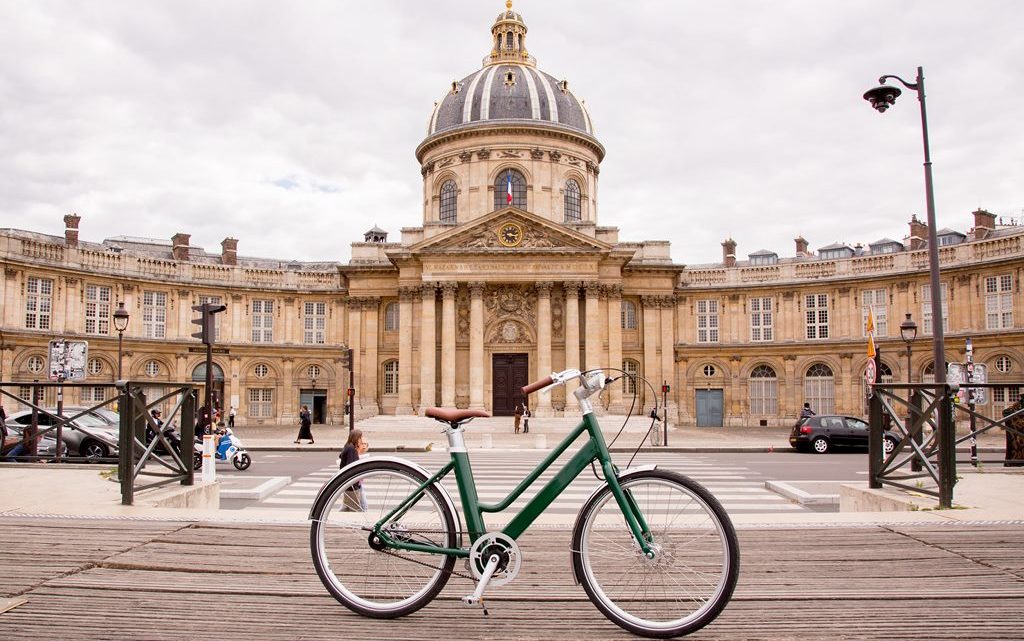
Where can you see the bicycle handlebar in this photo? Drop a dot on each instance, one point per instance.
(536, 385)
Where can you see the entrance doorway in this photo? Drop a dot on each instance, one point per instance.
(710, 407)
(316, 401)
(508, 375)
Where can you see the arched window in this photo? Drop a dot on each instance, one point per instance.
(819, 388)
(391, 377)
(629, 383)
(929, 373)
(628, 315)
(153, 370)
(572, 201)
(509, 41)
(95, 366)
(261, 370)
(763, 391)
(502, 188)
(449, 202)
(391, 317)
(35, 364)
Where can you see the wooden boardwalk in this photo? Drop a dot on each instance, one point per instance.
(128, 579)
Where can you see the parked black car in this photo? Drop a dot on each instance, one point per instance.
(823, 433)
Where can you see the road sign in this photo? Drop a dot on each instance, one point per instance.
(68, 359)
(870, 373)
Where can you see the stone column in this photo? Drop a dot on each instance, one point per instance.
(428, 353)
(614, 294)
(476, 346)
(354, 341)
(405, 300)
(543, 401)
(572, 338)
(652, 365)
(448, 344)
(668, 350)
(371, 339)
(592, 340)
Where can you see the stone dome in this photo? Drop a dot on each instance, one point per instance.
(509, 89)
(504, 92)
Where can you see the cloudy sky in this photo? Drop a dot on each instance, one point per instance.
(291, 125)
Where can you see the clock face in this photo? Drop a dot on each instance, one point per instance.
(510, 234)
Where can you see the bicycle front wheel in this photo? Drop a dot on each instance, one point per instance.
(360, 572)
(696, 563)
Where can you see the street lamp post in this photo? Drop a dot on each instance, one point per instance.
(120, 324)
(881, 98)
(908, 332)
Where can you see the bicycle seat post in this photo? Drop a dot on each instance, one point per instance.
(456, 438)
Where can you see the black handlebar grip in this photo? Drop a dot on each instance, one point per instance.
(536, 385)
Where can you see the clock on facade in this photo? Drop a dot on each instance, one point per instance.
(510, 234)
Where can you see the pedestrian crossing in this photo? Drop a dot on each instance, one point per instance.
(739, 489)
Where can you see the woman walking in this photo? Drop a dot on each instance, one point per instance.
(355, 447)
(305, 425)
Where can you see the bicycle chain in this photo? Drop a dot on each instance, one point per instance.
(451, 572)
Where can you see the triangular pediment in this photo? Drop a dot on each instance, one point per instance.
(512, 230)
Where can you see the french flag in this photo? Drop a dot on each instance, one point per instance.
(508, 198)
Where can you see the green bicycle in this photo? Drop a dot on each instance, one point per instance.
(654, 550)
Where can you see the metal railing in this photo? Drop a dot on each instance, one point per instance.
(922, 418)
(142, 462)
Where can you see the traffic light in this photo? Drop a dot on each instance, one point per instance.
(207, 332)
(346, 358)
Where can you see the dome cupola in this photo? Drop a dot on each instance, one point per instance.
(509, 90)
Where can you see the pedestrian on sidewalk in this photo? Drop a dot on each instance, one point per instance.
(526, 418)
(305, 425)
(518, 415)
(231, 417)
(355, 447)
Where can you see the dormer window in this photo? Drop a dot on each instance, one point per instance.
(764, 258)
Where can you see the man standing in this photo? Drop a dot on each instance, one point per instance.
(518, 415)
(231, 417)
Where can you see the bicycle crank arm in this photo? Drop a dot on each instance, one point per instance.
(478, 595)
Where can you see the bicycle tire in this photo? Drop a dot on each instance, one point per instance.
(372, 582)
(694, 573)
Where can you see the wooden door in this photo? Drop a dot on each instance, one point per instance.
(508, 376)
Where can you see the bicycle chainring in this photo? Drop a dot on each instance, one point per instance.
(509, 557)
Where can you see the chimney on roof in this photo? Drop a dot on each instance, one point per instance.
(229, 251)
(984, 224)
(801, 246)
(729, 252)
(179, 246)
(918, 234)
(71, 229)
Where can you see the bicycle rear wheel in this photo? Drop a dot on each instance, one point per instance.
(356, 569)
(696, 563)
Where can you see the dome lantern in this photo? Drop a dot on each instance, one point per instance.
(508, 36)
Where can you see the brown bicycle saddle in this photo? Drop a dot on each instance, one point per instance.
(449, 415)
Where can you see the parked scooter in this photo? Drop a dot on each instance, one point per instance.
(229, 448)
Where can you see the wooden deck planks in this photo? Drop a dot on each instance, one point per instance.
(101, 579)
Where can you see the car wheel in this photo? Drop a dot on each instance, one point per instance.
(93, 451)
(888, 445)
(820, 445)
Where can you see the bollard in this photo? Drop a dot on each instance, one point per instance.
(540, 442)
(209, 462)
(488, 442)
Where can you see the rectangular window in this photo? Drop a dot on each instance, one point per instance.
(877, 301)
(154, 314)
(391, 377)
(38, 303)
(97, 310)
(707, 321)
(213, 300)
(94, 394)
(764, 394)
(926, 308)
(263, 321)
(261, 402)
(761, 328)
(999, 302)
(816, 314)
(315, 323)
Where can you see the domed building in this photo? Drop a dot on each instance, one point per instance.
(510, 277)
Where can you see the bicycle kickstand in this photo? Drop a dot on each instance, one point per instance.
(477, 598)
